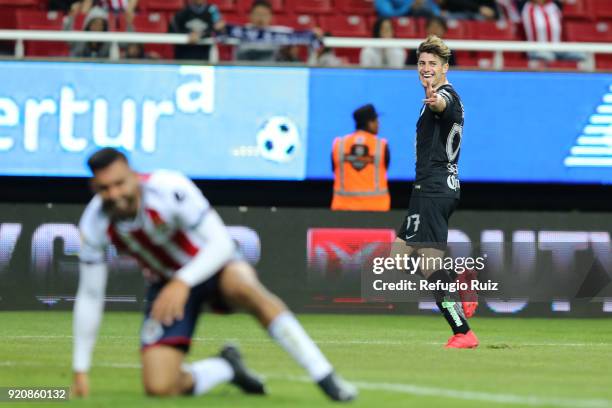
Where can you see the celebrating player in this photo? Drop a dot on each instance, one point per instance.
(189, 260)
(435, 194)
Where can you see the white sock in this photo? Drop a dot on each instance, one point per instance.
(288, 332)
(208, 373)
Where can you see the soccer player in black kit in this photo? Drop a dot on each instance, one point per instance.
(436, 190)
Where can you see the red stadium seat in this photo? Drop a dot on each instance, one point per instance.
(299, 22)
(236, 18)
(492, 31)
(355, 6)
(516, 63)
(26, 19)
(278, 6)
(151, 23)
(345, 26)
(41, 20)
(19, 3)
(566, 65)
(349, 54)
(226, 5)
(146, 23)
(7, 22)
(603, 62)
(406, 27)
(577, 9)
(161, 5)
(310, 6)
(457, 30)
(577, 31)
(600, 8)
(79, 22)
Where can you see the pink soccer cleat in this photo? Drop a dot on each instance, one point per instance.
(460, 340)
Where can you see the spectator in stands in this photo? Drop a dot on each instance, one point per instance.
(260, 17)
(434, 26)
(391, 57)
(542, 22)
(116, 7)
(200, 20)
(263, 42)
(399, 8)
(325, 56)
(470, 9)
(96, 20)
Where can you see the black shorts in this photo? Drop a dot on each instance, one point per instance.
(426, 224)
(179, 333)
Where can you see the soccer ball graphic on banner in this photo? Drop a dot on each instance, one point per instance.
(278, 139)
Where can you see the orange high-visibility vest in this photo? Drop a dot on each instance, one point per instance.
(360, 176)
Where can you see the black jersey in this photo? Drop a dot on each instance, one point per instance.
(438, 142)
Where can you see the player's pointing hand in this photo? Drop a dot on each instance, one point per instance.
(170, 304)
(431, 97)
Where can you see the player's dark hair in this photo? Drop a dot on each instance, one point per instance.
(262, 3)
(104, 158)
(434, 45)
(378, 26)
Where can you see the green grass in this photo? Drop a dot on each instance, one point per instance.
(398, 361)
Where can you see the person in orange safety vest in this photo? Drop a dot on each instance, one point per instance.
(360, 161)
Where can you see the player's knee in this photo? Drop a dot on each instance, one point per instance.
(160, 390)
(160, 387)
(241, 293)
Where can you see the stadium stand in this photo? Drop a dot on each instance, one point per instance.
(171, 6)
(345, 26)
(311, 6)
(584, 21)
(28, 19)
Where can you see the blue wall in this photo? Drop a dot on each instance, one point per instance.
(211, 122)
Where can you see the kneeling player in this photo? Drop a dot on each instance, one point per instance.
(190, 260)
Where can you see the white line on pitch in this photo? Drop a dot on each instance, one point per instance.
(414, 389)
(353, 341)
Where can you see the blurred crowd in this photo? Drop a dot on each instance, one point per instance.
(260, 40)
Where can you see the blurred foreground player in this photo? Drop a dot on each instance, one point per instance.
(189, 260)
(436, 190)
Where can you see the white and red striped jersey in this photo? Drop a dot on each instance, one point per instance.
(162, 237)
(113, 5)
(542, 22)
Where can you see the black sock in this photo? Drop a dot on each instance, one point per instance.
(448, 303)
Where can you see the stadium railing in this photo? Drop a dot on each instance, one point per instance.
(497, 47)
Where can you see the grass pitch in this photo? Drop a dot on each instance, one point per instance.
(397, 361)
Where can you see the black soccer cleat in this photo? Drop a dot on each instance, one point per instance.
(247, 381)
(337, 388)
